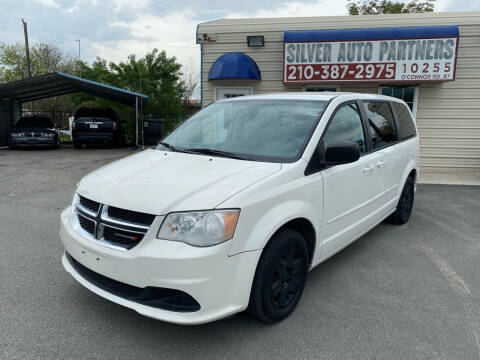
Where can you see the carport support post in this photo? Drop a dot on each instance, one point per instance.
(136, 121)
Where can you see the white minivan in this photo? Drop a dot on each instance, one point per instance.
(232, 209)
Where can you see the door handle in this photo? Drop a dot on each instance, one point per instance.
(380, 163)
(367, 169)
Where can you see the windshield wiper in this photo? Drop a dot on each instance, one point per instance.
(168, 146)
(174, 148)
(218, 153)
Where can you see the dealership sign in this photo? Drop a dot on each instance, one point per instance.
(426, 53)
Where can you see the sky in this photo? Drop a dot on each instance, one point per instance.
(113, 29)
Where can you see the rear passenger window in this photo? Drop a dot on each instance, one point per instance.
(381, 123)
(346, 125)
(406, 126)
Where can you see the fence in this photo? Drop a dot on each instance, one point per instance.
(61, 118)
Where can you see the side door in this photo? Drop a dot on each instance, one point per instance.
(384, 141)
(351, 191)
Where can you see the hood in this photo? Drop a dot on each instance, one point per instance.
(158, 182)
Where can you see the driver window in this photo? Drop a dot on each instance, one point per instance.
(346, 125)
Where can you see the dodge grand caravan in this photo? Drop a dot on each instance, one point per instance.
(231, 210)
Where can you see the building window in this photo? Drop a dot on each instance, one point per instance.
(315, 88)
(222, 92)
(409, 94)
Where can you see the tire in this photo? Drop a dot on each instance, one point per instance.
(76, 145)
(405, 204)
(280, 277)
(58, 144)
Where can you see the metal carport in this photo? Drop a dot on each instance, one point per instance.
(15, 93)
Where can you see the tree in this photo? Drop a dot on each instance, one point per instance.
(190, 81)
(155, 75)
(374, 7)
(44, 58)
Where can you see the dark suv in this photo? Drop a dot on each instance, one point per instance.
(34, 131)
(96, 126)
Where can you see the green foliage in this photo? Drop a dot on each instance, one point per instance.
(44, 58)
(155, 75)
(374, 7)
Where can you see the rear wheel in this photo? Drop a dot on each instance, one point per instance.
(280, 277)
(405, 204)
(76, 144)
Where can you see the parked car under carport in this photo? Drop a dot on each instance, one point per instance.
(34, 132)
(99, 126)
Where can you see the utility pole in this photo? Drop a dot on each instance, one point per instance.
(79, 67)
(27, 50)
(78, 40)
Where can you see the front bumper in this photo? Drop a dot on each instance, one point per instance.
(93, 138)
(32, 142)
(219, 283)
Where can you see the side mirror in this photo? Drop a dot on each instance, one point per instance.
(342, 152)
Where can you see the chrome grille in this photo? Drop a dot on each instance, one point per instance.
(86, 224)
(118, 236)
(92, 220)
(89, 204)
(130, 216)
(33, 134)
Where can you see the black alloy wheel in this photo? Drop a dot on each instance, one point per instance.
(286, 277)
(405, 203)
(280, 277)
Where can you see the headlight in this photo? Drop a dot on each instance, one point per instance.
(47, 134)
(199, 228)
(17, 134)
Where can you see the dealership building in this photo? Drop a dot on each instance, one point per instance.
(430, 60)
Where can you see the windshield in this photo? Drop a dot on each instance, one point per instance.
(260, 130)
(43, 122)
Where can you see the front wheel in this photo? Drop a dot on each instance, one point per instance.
(280, 277)
(405, 204)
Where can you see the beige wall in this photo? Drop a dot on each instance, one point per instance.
(448, 114)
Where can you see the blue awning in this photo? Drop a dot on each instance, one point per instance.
(234, 65)
(386, 33)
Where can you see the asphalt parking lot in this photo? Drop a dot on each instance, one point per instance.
(409, 292)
